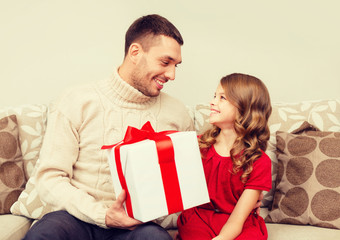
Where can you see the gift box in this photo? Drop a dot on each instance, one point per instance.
(161, 172)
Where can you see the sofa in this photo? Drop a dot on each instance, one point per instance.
(304, 147)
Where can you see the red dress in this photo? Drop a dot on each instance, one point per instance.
(206, 221)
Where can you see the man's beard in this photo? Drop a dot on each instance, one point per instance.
(142, 81)
(139, 82)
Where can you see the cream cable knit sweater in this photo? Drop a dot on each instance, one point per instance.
(74, 174)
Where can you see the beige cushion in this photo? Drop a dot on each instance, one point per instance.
(308, 180)
(298, 232)
(12, 176)
(13, 227)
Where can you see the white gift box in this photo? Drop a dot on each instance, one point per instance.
(142, 171)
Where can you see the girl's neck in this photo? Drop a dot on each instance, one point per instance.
(225, 141)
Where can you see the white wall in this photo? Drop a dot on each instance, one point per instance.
(293, 46)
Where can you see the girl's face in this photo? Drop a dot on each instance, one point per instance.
(222, 112)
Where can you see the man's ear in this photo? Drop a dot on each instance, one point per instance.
(135, 52)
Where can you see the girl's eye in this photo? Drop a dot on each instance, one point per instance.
(165, 63)
(222, 97)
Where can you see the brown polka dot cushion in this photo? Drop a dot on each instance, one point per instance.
(12, 176)
(308, 178)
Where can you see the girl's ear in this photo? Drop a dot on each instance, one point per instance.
(135, 52)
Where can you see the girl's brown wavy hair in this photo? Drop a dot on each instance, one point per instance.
(251, 98)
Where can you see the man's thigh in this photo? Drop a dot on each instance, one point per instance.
(61, 225)
(148, 231)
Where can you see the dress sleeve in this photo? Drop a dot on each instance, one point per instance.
(260, 178)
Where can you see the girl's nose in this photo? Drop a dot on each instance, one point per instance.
(212, 102)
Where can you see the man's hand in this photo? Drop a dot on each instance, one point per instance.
(117, 217)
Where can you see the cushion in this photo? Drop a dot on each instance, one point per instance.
(323, 114)
(32, 119)
(308, 180)
(201, 118)
(13, 227)
(168, 222)
(12, 176)
(29, 203)
(298, 232)
(32, 125)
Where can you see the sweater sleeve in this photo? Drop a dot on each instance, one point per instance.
(55, 174)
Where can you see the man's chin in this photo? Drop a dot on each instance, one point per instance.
(152, 94)
(156, 94)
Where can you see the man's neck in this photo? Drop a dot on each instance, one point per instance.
(124, 72)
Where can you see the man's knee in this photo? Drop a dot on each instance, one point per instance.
(150, 231)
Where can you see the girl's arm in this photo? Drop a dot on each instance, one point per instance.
(245, 205)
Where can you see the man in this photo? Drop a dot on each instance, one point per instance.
(74, 176)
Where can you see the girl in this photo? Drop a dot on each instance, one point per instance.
(235, 165)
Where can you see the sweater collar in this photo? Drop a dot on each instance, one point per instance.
(122, 93)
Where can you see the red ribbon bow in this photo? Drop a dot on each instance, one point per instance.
(166, 159)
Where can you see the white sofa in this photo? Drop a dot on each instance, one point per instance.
(32, 119)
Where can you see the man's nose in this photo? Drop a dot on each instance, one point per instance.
(171, 73)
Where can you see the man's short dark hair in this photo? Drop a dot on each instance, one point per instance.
(150, 25)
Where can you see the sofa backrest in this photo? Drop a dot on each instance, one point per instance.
(324, 114)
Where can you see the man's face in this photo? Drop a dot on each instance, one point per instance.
(156, 66)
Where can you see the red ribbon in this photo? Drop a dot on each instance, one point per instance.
(166, 159)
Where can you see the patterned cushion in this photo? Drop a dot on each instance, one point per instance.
(323, 114)
(29, 203)
(308, 180)
(201, 118)
(12, 176)
(32, 125)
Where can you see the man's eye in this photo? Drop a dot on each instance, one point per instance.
(165, 62)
